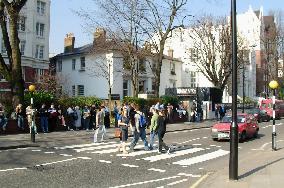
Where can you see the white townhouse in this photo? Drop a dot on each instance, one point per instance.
(33, 28)
(90, 70)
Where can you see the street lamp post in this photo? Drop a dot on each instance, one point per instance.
(32, 90)
(273, 85)
(234, 140)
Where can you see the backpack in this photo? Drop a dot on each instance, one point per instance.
(142, 121)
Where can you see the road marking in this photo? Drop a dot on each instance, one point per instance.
(114, 150)
(83, 145)
(131, 166)
(36, 150)
(177, 182)
(66, 155)
(96, 148)
(156, 170)
(264, 145)
(189, 175)
(136, 153)
(205, 137)
(103, 161)
(196, 184)
(11, 169)
(145, 182)
(49, 152)
(71, 159)
(196, 144)
(175, 154)
(202, 158)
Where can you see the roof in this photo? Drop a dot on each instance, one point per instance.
(257, 12)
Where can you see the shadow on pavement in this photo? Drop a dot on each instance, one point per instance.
(259, 168)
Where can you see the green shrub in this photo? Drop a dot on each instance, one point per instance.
(170, 99)
(39, 98)
(78, 101)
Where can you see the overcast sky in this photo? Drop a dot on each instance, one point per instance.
(63, 20)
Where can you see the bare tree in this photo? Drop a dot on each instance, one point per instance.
(211, 50)
(9, 16)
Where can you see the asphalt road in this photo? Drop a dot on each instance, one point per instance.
(81, 163)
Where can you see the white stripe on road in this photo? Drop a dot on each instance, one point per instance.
(114, 150)
(71, 159)
(66, 155)
(176, 182)
(96, 148)
(49, 152)
(83, 145)
(202, 158)
(136, 153)
(11, 169)
(264, 145)
(103, 161)
(156, 170)
(189, 175)
(172, 155)
(36, 150)
(145, 182)
(131, 166)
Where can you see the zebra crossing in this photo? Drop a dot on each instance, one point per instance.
(193, 154)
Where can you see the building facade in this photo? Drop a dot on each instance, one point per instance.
(33, 28)
(91, 71)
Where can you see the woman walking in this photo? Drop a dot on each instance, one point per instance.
(161, 129)
(20, 116)
(123, 123)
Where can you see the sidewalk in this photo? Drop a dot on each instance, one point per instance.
(261, 169)
(55, 138)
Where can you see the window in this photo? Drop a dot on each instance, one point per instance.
(39, 72)
(39, 29)
(142, 64)
(21, 23)
(81, 91)
(193, 54)
(125, 88)
(41, 7)
(172, 68)
(59, 66)
(192, 79)
(39, 52)
(3, 48)
(73, 64)
(73, 90)
(22, 47)
(41, 49)
(82, 68)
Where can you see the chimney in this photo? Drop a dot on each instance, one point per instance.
(171, 53)
(100, 36)
(69, 42)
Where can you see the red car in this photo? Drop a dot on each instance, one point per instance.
(247, 124)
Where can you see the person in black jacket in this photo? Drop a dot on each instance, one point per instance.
(43, 113)
(162, 123)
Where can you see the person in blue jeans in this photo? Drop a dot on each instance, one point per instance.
(153, 127)
(139, 130)
(20, 116)
(3, 119)
(43, 114)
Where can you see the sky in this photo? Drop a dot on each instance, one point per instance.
(63, 20)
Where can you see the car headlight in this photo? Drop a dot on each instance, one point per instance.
(214, 130)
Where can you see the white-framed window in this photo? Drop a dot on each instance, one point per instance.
(73, 90)
(73, 64)
(80, 90)
(83, 63)
(21, 23)
(39, 29)
(193, 54)
(125, 88)
(3, 48)
(39, 51)
(172, 68)
(22, 47)
(192, 79)
(59, 66)
(39, 72)
(41, 7)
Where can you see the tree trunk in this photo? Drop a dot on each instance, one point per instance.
(16, 73)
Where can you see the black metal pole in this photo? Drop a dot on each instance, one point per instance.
(273, 125)
(233, 163)
(243, 110)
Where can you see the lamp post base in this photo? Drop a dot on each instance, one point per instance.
(274, 141)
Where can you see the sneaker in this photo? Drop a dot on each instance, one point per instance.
(169, 151)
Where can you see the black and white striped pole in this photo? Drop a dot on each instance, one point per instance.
(32, 90)
(273, 85)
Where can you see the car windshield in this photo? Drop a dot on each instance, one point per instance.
(228, 119)
(253, 111)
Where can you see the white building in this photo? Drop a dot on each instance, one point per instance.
(89, 71)
(33, 28)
